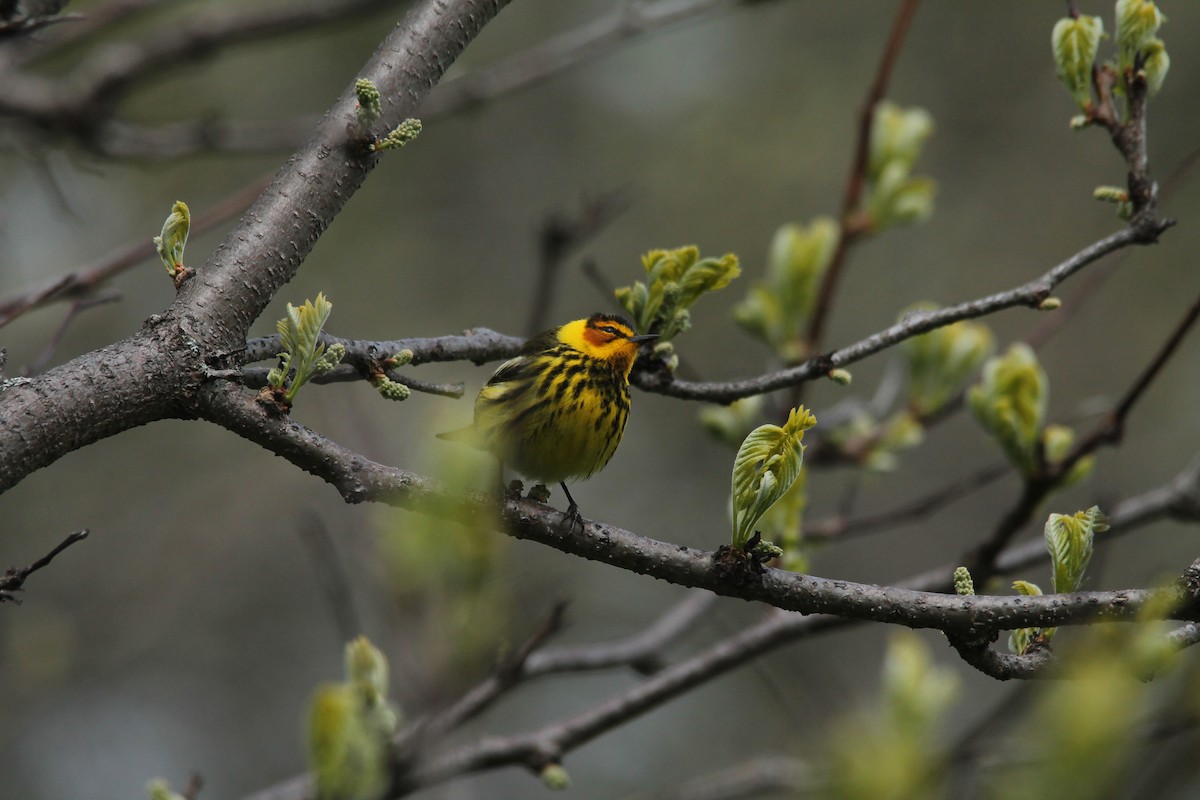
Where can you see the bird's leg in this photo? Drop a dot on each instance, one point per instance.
(573, 516)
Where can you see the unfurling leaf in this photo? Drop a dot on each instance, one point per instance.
(1137, 23)
(941, 361)
(1069, 539)
(303, 357)
(347, 758)
(777, 308)
(766, 466)
(1074, 42)
(171, 243)
(897, 136)
(675, 279)
(1010, 403)
(1020, 639)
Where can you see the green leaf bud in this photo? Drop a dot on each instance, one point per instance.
(1155, 65)
(731, 423)
(171, 242)
(1074, 43)
(403, 358)
(1110, 194)
(841, 377)
(941, 361)
(897, 136)
(392, 390)
(674, 280)
(1010, 403)
(896, 198)
(963, 584)
(1020, 639)
(367, 669)
(403, 133)
(1137, 23)
(1050, 304)
(555, 777)
(369, 109)
(159, 789)
(347, 757)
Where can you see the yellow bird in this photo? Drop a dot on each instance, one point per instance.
(557, 410)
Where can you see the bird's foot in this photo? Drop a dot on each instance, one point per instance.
(573, 520)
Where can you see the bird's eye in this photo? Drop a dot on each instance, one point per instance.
(611, 329)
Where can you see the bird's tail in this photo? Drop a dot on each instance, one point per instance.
(468, 435)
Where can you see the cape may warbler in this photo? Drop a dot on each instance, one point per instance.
(557, 410)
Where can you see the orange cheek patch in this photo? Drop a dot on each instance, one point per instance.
(596, 338)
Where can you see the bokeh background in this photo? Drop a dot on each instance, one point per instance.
(190, 630)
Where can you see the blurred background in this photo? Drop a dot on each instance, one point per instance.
(189, 632)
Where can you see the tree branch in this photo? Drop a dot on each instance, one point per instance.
(13, 580)
(359, 480)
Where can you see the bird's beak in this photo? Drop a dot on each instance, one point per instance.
(643, 337)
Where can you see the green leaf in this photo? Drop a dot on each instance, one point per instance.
(303, 357)
(675, 279)
(941, 361)
(897, 136)
(347, 758)
(1137, 23)
(1155, 66)
(1074, 43)
(766, 466)
(171, 242)
(1010, 403)
(1069, 540)
(1020, 639)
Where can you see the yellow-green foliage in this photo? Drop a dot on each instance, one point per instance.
(674, 280)
(1010, 403)
(1074, 43)
(350, 726)
(894, 195)
(941, 361)
(893, 755)
(776, 308)
(171, 243)
(303, 356)
(766, 466)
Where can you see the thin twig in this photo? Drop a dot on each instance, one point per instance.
(1112, 428)
(840, 527)
(561, 235)
(78, 283)
(331, 574)
(1029, 294)
(852, 226)
(13, 580)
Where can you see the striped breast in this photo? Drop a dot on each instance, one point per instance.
(555, 415)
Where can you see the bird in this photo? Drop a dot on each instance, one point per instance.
(557, 410)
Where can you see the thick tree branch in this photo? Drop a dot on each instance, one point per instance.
(80, 103)
(359, 479)
(155, 374)
(781, 628)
